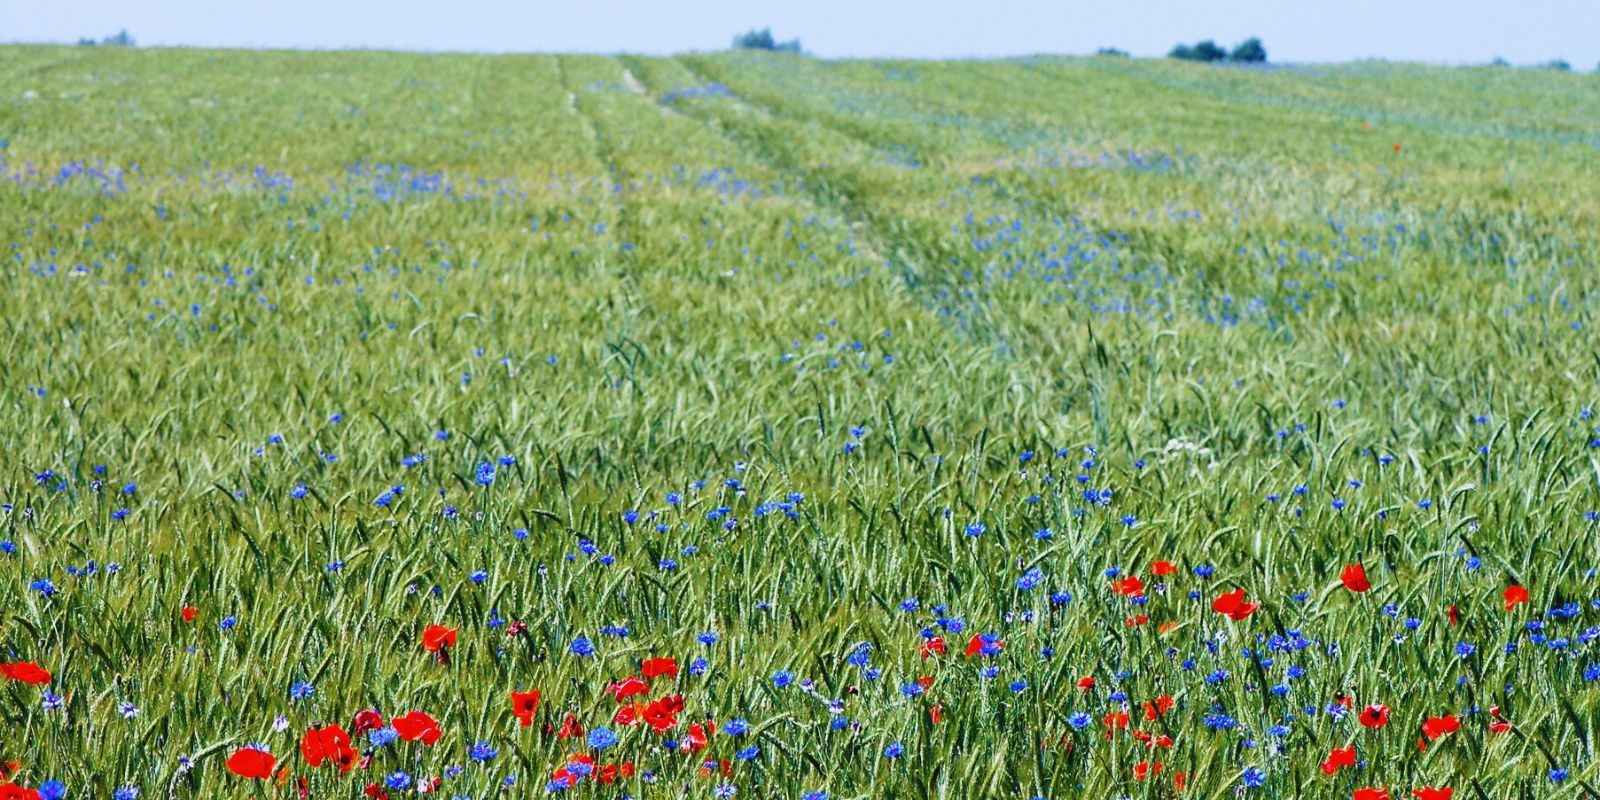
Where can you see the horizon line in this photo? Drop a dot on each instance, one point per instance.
(1497, 62)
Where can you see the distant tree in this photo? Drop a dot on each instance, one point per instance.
(1249, 51)
(85, 41)
(763, 40)
(121, 39)
(1499, 62)
(1111, 51)
(1207, 51)
(1558, 65)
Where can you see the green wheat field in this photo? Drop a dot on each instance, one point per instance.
(759, 426)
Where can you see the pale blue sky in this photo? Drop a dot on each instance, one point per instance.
(1522, 31)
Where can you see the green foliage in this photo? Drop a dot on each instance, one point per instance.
(1249, 51)
(120, 39)
(1206, 51)
(231, 275)
(763, 40)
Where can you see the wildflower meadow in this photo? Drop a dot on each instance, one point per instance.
(749, 425)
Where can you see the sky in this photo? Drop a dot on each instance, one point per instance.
(1438, 31)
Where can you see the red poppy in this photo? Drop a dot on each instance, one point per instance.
(1086, 683)
(1162, 568)
(1430, 793)
(1354, 578)
(252, 763)
(189, 613)
(570, 727)
(1137, 620)
(1375, 716)
(628, 715)
(1145, 769)
(417, 726)
(656, 667)
(627, 687)
(976, 644)
(661, 715)
(1116, 720)
(26, 672)
(1339, 758)
(932, 647)
(1370, 794)
(1435, 727)
(1499, 726)
(438, 637)
(523, 705)
(1157, 707)
(328, 744)
(1234, 606)
(1515, 596)
(1129, 587)
(698, 735)
(564, 778)
(1180, 781)
(367, 720)
(936, 713)
(11, 791)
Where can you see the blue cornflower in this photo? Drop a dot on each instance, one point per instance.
(582, 647)
(301, 690)
(782, 678)
(894, 750)
(602, 738)
(1030, 579)
(482, 753)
